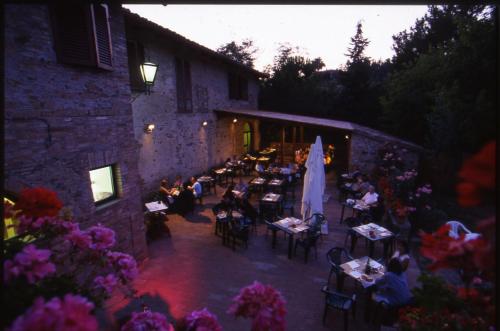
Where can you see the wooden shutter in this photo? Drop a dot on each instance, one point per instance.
(135, 52)
(187, 86)
(179, 76)
(102, 35)
(73, 33)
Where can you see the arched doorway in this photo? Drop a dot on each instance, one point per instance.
(247, 138)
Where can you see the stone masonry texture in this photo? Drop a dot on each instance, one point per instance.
(179, 144)
(63, 120)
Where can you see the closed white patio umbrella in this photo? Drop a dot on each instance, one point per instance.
(314, 182)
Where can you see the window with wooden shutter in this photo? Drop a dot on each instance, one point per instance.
(102, 35)
(135, 54)
(183, 82)
(82, 35)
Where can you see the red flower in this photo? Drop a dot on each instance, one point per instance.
(38, 202)
(478, 176)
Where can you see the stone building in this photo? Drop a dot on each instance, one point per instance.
(68, 122)
(191, 82)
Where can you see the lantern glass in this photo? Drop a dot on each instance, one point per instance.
(148, 72)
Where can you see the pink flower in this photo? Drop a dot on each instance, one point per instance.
(102, 237)
(73, 313)
(79, 238)
(147, 321)
(202, 320)
(263, 304)
(106, 283)
(31, 262)
(125, 265)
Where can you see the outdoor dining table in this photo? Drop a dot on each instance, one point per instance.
(373, 232)
(272, 200)
(207, 182)
(156, 206)
(355, 205)
(224, 220)
(290, 226)
(356, 269)
(277, 185)
(258, 183)
(239, 194)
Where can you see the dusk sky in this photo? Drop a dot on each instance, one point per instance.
(319, 30)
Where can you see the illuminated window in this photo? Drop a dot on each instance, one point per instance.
(8, 230)
(247, 138)
(103, 184)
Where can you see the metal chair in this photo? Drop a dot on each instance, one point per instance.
(457, 227)
(339, 301)
(307, 243)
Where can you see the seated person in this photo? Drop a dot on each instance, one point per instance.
(241, 186)
(259, 167)
(165, 192)
(228, 198)
(195, 187)
(392, 288)
(402, 254)
(370, 198)
(248, 211)
(185, 200)
(178, 182)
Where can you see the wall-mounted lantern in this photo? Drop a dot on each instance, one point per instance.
(149, 128)
(148, 75)
(346, 137)
(235, 120)
(205, 123)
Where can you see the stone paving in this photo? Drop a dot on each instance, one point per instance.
(192, 270)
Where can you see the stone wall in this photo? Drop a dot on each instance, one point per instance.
(179, 144)
(364, 148)
(63, 120)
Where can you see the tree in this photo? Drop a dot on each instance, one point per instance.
(292, 86)
(243, 53)
(358, 45)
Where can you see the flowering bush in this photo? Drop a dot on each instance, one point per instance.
(470, 306)
(149, 321)
(51, 258)
(202, 320)
(263, 304)
(73, 312)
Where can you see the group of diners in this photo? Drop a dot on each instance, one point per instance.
(180, 197)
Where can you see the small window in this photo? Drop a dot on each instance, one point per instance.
(8, 224)
(183, 82)
(103, 184)
(238, 87)
(82, 34)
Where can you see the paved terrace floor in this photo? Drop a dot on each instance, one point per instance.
(192, 270)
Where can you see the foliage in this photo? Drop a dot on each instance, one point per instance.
(51, 258)
(355, 53)
(470, 306)
(243, 53)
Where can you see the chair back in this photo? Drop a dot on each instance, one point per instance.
(353, 222)
(337, 256)
(455, 228)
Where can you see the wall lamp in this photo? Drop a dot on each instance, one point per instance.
(346, 137)
(149, 128)
(205, 123)
(235, 120)
(148, 75)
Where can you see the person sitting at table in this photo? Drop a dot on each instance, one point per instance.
(259, 167)
(241, 186)
(402, 254)
(228, 198)
(178, 182)
(248, 211)
(165, 192)
(392, 288)
(370, 198)
(195, 187)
